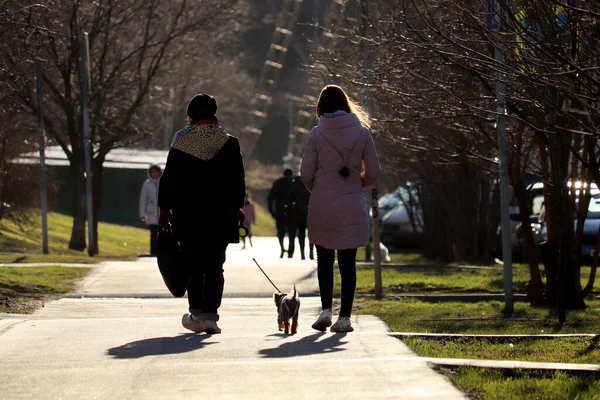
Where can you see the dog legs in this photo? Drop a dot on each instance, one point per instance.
(295, 321)
(280, 324)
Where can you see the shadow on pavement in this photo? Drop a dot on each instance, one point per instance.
(159, 346)
(306, 346)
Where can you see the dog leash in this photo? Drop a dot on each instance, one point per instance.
(267, 276)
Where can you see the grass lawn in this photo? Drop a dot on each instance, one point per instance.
(582, 350)
(478, 318)
(25, 244)
(265, 224)
(489, 318)
(398, 258)
(493, 384)
(22, 289)
(451, 279)
(404, 315)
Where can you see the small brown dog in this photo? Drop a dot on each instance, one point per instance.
(287, 308)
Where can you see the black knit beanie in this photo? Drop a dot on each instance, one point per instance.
(202, 107)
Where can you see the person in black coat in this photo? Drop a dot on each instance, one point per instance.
(279, 202)
(200, 195)
(300, 200)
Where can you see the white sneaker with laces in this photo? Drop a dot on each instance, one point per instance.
(323, 321)
(343, 324)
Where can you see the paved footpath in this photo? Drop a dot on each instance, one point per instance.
(119, 336)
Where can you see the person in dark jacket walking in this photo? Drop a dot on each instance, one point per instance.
(250, 214)
(149, 204)
(301, 198)
(200, 195)
(279, 202)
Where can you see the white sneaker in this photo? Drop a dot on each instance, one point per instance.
(197, 324)
(323, 321)
(342, 324)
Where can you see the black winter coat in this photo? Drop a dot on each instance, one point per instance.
(279, 200)
(204, 185)
(300, 198)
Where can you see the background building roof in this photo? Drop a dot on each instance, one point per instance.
(117, 158)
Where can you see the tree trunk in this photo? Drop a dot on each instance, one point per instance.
(546, 178)
(569, 290)
(78, 241)
(535, 286)
(549, 249)
(584, 200)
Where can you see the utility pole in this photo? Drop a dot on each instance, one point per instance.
(496, 11)
(87, 143)
(374, 196)
(43, 180)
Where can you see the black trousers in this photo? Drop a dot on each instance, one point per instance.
(347, 264)
(153, 236)
(302, 239)
(283, 226)
(205, 290)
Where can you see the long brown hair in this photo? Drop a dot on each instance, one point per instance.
(333, 98)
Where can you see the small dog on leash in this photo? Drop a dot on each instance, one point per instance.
(288, 307)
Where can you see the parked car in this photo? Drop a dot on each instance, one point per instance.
(401, 218)
(539, 227)
(591, 226)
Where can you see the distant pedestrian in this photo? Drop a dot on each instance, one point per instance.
(279, 203)
(339, 162)
(149, 204)
(248, 210)
(204, 186)
(301, 198)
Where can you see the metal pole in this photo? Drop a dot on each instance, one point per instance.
(503, 158)
(43, 180)
(87, 145)
(376, 242)
(369, 200)
(374, 196)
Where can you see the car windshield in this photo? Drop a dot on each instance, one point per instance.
(594, 208)
(538, 202)
(390, 200)
(398, 197)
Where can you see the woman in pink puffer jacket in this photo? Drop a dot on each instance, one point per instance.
(339, 162)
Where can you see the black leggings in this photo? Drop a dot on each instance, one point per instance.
(347, 264)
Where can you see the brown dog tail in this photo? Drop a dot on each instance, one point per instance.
(294, 292)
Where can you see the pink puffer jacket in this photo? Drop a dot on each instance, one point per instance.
(337, 212)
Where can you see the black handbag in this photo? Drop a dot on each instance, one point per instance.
(171, 264)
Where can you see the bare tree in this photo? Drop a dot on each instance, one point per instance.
(131, 44)
(20, 30)
(434, 74)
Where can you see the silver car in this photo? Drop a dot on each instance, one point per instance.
(401, 218)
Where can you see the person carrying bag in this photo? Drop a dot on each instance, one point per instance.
(200, 195)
